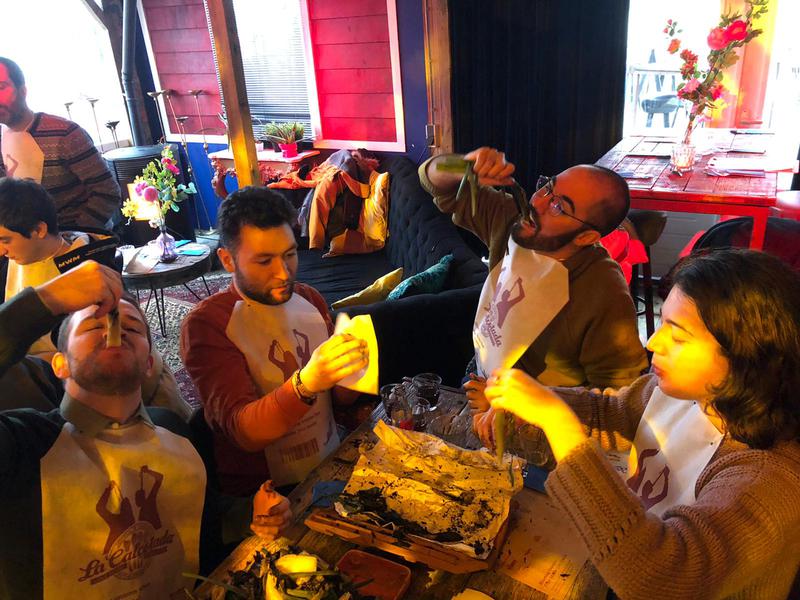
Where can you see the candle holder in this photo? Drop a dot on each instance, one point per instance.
(683, 156)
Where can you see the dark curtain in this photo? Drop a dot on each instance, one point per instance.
(542, 80)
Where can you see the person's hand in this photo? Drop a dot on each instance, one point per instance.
(474, 389)
(491, 166)
(332, 361)
(272, 513)
(87, 284)
(483, 426)
(517, 392)
(608, 392)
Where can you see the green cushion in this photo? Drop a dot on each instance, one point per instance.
(429, 281)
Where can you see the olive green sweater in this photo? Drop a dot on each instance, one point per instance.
(594, 340)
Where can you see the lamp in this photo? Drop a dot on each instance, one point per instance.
(144, 210)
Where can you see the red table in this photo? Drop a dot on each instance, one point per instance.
(696, 192)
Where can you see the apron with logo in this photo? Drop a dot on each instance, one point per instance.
(121, 513)
(673, 444)
(21, 155)
(276, 341)
(520, 297)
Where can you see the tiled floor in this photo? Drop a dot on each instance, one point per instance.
(657, 302)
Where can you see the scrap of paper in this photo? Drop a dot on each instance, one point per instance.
(542, 549)
(361, 327)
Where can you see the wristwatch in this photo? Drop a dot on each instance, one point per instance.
(305, 394)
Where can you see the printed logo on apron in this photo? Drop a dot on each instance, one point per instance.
(276, 341)
(520, 297)
(120, 513)
(673, 444)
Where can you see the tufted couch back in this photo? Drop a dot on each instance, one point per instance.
(420, 235)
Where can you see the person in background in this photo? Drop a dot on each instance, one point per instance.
(55, 152)
(261, 353)
(707, 507)
(38, 251)
(103, 498)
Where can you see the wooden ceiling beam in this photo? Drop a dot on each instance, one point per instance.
(234, 92)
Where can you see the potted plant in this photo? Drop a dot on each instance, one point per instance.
(286, 135)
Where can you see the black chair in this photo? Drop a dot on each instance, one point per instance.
(648, 225)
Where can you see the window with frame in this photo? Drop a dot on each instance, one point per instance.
(273, 57)
(350, 66)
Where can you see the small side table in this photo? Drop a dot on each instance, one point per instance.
(144, 272)
(271, 165)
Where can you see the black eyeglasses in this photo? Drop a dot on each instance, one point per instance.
(556, 206)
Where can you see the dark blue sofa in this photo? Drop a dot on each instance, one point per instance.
(427, 332)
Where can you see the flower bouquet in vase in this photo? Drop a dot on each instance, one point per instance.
(703, 87)
(156, 188)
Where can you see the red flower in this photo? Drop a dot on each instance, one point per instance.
(716, 91)
(736, 31)
(717, 39)
(689, 56)
(674, 45)
(150, 194)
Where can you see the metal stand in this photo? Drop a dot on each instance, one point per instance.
(112, 125)
(93, 101)
(182, 130)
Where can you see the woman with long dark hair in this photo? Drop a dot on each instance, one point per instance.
(709, 504)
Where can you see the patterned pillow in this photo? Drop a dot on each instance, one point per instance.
(430, 281)
(375, 292)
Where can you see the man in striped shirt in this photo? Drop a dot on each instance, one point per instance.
(56, 153)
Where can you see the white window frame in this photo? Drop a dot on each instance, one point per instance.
(313, 99)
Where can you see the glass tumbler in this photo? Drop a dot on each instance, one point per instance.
(427, 387)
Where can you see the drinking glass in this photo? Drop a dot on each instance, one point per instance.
(420, 414)
(396, 406)
(427, 387)
(531, 443)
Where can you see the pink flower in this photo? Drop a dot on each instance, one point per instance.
(173, 168)
(674, 45)
(736, 31)
(140, 187)
(691, 86)
(150, 193)
(717, 39)
(717, 90)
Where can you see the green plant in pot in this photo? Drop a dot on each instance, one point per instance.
(286, 135)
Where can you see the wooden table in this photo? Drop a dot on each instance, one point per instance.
(271, 165)
(143, 272)
(589, 585)
(695, 192)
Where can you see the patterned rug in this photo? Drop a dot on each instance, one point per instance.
(178, 301)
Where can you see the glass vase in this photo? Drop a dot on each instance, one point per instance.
(166, 245)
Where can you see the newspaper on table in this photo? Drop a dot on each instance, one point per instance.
(449, 492)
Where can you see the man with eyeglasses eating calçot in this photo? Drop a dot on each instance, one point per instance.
(555, 304)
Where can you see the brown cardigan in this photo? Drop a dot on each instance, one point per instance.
(740, 539)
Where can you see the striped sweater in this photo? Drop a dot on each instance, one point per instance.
(74, 173)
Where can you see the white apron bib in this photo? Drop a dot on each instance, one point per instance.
(520, 297)
(120, 514)
(276, 341)
(21, 155)
(674, 442)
